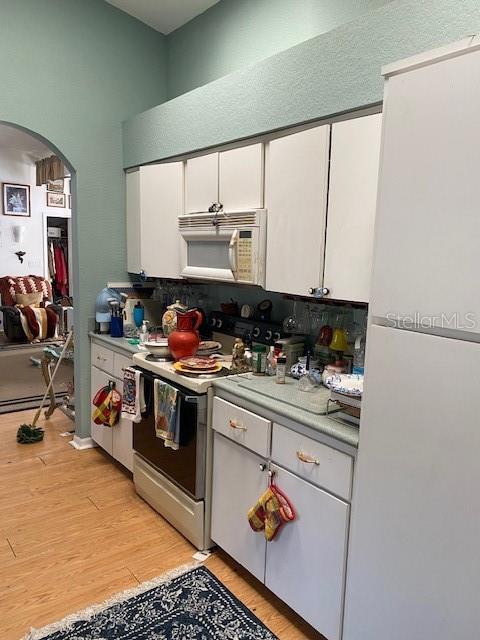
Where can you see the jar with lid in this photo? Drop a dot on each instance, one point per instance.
(259, 359)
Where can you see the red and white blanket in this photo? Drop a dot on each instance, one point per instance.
(38, 323)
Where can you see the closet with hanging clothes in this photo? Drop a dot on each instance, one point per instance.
(58, 256)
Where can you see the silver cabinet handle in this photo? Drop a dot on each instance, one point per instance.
(318, 292)
(235, 425)
(305, 457)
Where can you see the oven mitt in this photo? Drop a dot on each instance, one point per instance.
(271, 512)
(107, 403)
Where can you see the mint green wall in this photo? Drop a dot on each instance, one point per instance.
(72, 71)
(235, 33)
(334, 72)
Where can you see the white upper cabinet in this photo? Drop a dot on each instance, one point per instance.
(132, 201)
(201, 183)
(241, 178)
(428, 217)
(154, 201)
(296, 199)
(161, 188)
(354, 160)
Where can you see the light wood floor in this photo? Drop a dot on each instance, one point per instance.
(73, 532)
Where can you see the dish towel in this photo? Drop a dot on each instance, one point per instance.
(133, 401)
(167, 422)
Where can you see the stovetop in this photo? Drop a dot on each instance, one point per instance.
(166, 371)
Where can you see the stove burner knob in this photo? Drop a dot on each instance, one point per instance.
(268, 334)
(219, 323)
(277, 336)
(213, 322)
(256, 332)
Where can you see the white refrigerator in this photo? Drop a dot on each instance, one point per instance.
(413, 569)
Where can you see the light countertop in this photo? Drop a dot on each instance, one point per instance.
(121, 344)
(256, 393)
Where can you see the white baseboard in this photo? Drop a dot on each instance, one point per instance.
(82, 443)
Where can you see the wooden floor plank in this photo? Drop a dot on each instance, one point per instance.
(81, 534)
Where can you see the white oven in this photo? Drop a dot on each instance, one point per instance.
(230, 247)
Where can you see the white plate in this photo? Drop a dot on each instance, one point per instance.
(349, 384)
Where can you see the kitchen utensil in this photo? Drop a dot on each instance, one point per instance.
(184, 340)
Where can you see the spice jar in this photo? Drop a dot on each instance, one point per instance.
(259, 359)
(281, 369)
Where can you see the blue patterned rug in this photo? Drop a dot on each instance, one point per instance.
(191, 606)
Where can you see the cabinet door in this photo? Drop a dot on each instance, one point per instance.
(296, 198)
(122, 438)
(161, 193)
(101, 434)
(132, 202)
(428, 222)
(306, 561)
(201, 183)
(241, 178)
(239, 479)
(352, 197)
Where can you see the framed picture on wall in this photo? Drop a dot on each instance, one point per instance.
(56, 199)
(16, 199)
(57, 186)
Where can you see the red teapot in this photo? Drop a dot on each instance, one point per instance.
(184, 341)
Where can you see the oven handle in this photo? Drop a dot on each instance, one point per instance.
(232, 253)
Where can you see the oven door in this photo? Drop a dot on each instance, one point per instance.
(185, 466)
(210, 253)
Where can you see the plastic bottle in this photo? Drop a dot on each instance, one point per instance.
(271, 362)
(144, 333)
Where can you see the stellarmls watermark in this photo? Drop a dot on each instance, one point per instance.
(417, 320)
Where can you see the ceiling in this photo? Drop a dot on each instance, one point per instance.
(163, 15)
(12, 138)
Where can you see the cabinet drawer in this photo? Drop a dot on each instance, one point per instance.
(102, 358)
(242, 426)
(120, 363)
(316, 462)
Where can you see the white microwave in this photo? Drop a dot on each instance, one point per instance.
(229, 247)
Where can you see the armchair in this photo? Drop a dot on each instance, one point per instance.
(9, 287)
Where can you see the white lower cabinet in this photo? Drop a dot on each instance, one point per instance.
(305, 564)
(239, 479)
(116, 440)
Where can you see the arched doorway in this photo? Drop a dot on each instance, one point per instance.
(34, 219)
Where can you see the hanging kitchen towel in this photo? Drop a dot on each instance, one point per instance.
(167, 425)
(133, 400)
(271, 511)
